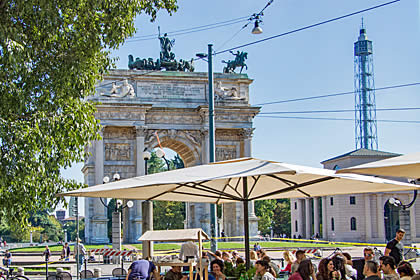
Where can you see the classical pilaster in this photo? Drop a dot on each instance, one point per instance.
(308, 212)
(380, 217)
(199, 213)
(253, 219)
(368, 222)
(301, 223)
(98, 221)
(316, 216)
(324, 218)
(133, 216)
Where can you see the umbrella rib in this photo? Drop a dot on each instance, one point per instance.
(202, 195)
(169, 191)
(235, 188)
(224, 188)
(237, 185)
(211, 190)
(255, 183)
(197, 186)
(204, 188)
(305, 193)
(295, 187)
(290, 183)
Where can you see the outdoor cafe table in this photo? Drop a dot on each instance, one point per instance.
(191, 266)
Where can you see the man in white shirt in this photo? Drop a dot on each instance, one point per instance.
(189, 250)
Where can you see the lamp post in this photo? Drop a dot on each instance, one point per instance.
(212, 142)
(147, 206)
(65, 235)
(117, 218)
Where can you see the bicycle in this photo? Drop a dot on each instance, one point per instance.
(7, 274)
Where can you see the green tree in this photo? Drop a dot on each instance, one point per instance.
(281, 217)
(176, 162)
(71, 228)
(111, 208)
(51, 227)
(264, 210)
(168, 215)
(52, 53)
(155, 164)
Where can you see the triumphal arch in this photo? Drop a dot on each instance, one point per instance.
(135, 106)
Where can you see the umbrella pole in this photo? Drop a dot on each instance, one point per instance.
(246, 221)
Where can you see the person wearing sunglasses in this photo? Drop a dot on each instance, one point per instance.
(359, 264)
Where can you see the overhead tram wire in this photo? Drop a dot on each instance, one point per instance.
(335, 119)
(335, 111)
(333, 94)
(292, 31)
(308, 27)
(188, 30)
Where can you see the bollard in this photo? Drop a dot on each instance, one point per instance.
(20, 271)
(96, 272)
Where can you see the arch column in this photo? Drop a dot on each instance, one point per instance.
(368, 222)
(96, 231)
(133, 219)
(380, 217)
(308, 219)
(324, 218)
(316, 216)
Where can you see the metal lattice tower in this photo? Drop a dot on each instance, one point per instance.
(364, 89)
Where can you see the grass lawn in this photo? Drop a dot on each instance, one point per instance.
(51, 268)
(175, 246)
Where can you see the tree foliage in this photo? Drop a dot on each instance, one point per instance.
(281, 217)
(52, 53)
(264, 210)
(51, 227)
(71, 228)
(273, 214)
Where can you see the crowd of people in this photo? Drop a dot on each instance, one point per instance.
(339, 266)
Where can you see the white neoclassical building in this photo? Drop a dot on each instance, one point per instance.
(359, 217)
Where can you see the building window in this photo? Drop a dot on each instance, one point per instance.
(352, 200)
(353, 223)
(296, 226)
(295, 205)
(331, 201)
(332, 224)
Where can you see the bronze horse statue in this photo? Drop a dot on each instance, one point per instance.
(238, 62)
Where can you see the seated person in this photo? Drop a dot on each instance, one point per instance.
(216, 273)
(175, 274)
(7, 260)
(142, 269)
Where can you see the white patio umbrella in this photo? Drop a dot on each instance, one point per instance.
(407, 166)
(240, 180)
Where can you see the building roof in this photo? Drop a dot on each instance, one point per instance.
(363, 153)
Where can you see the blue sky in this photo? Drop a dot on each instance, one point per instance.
(313, 62)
